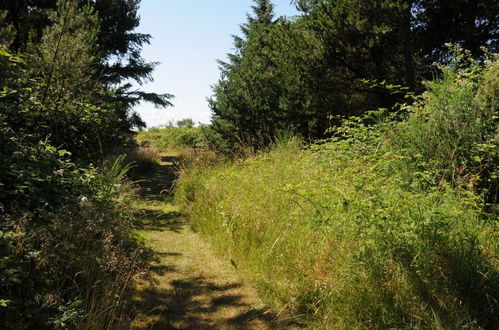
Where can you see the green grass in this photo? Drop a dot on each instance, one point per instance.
(362, 232)
(186, 286)
(342, 245)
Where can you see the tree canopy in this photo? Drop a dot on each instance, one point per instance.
(117, 48)
(338, 58)
(78, 58)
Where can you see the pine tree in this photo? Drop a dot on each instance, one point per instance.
(118, 58)
(340, 58)
(473, 25)
(245, 97)
(58, 97)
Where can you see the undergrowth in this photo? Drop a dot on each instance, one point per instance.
(66, 245)
(172, 138)
(391, 225)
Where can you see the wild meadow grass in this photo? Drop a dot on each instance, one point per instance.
(384, 226)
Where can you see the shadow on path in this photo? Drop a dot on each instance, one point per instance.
(159, 184)
(198, 303)
(150, 219)
(187, 286)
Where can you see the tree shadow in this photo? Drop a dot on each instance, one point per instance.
(191, 303)
(158, 184)
(158, 220)
(167, 298)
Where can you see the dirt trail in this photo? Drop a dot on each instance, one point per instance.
(189, 287)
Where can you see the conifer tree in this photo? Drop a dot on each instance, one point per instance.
(59, 98)
(297, 74)
(339, 58)
(473, 25)
(118, 56)
(245, 96)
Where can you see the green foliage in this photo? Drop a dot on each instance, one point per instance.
(245, 97)
(53, 93)
(185, 123)
(438, 26)
(49, 95)
(373, 228)
(171, 138)
(338, 58)
(117, 48)
(63, 59)
(66, 244)
(65, 234)
(451, 131)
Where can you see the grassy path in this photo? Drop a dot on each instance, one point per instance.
(188, 287)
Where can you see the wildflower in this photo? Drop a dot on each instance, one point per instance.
(83, 200)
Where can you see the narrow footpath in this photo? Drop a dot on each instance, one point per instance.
(187, 287)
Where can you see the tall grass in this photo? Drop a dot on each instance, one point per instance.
(143, 161)
(383, 228)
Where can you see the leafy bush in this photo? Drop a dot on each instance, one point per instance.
(66, 247)
(173, 137)
(66, 244)
(451, 133)
(65, 237)
(371, 229)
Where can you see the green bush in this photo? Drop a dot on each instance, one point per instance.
(173, 137)
(66, 245)
(373, 229)
(66, 248)
(451, 132)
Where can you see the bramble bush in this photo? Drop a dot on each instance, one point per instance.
(451, 132)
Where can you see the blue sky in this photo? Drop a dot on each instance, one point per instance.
(188, 37)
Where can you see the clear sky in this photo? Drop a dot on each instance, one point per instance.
(188, 37)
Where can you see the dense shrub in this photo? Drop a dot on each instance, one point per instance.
(451, 133)
(66, 245)
(64, 237)
(173, 137)
(381, 227)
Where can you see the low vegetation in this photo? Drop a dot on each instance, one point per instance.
(388, 225)
(66, 246)
(183, 135)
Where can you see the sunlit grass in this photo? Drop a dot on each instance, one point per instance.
(342, 244)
